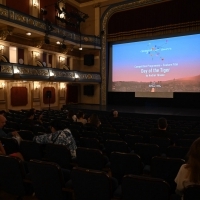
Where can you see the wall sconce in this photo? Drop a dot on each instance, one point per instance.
(36, 85)
(35, 3)
(16, 71)
(2, 85)
(1, 48)
(62, 59)
(76, 77)
(62, 15)
(36, 55)
(51, 75)
(62, 86)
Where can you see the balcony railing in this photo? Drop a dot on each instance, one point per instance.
(31, 22)
(12, 71)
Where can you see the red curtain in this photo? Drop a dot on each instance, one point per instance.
(19, 96)
(172, 12)
(20, 5)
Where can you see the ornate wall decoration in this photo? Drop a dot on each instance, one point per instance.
(38, 42)
(6, 69)
(4, 34)
(33, 71)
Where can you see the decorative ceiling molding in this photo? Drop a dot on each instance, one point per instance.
(38, 42)
(5, 31)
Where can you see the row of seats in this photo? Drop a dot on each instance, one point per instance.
(47, 182)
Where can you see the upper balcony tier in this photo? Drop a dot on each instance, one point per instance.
(19, 22)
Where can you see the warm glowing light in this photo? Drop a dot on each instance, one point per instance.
(35, 3)
(16, 71)
(51, 73)
(62, 15)
(1, 47)
(62, 59)
(58, 42)
(36, 54)
(28, 33)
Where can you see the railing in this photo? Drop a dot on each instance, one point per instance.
(26, 72)
(31, 22)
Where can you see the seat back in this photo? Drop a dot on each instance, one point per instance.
(147, 151)
(90, 158)
(59, 154)
(12, 174)
(143, 188)
(124, 164)
(47, 180)
(10, 145)
(31, 150)
(90, 184)
(163, 143)
(191, 192)
(26, 135)
(117, 146)
(91, 143)
(166, 168)
(177, 152)
(132, 140)
(111, 136)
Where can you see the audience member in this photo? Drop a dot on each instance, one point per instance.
(94, 120)
(115, 113)
(58, 136)
(71, 116)
(189, 173)
(2, 133)
(3, 152)
(29, 120)
(161, 131)
(80, 117)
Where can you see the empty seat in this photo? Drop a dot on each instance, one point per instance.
(12, 175)
(90, 158)
(143, 188)
(48, 181)
(91, 184)
(166, 169)
(125, 163)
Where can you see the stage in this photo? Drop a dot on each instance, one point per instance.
(144, 110)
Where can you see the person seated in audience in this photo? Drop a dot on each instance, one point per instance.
(94, 120)
(71, 116)
(80, 117)
(161, 131)
(29, 120)
(2, 133)
(115, 113)
(17, 154)
(189, 173)
(37, 120)
(58, 136)
(2, 112)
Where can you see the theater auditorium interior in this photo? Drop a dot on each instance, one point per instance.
(122, 79)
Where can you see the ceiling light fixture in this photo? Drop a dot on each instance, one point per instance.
(28, 33)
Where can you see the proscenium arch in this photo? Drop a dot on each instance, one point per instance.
(104, 23)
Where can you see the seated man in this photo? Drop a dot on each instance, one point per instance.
(161, 131)
(2, 133)
(58, 136)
